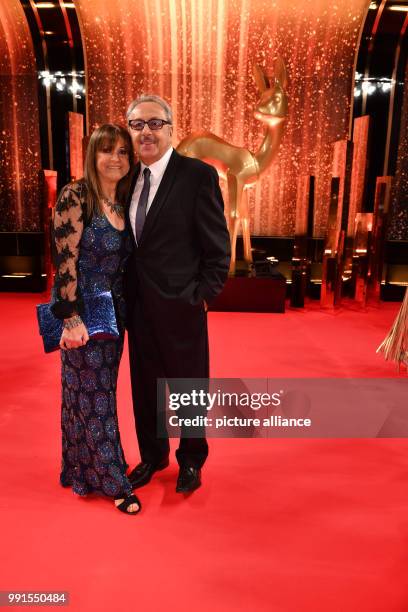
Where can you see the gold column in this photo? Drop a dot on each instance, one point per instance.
(376, 251)
(330, 267)
(362, 239)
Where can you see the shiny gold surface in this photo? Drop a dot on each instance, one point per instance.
(332, 250)
(359, 169)
(377, 247)
(240, 167)
(76, 135)
(49, 199)
(199, 54)
(363, 227)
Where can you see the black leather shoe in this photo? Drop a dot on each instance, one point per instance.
(142, 474)
(189, 479)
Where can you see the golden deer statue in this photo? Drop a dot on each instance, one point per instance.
(237, 165)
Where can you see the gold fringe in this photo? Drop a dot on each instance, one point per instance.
(395, 345)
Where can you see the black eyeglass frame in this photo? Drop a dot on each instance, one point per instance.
(154, 129)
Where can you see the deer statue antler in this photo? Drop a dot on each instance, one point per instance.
(240, 167)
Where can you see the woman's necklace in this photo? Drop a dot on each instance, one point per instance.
(114, 206)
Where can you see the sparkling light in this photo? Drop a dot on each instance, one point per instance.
(59, 79)
(398, 7)
(75, 87)
(371, 86)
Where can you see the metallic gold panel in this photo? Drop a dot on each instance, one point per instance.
(332, 247)
(302, 204)
(19, 128)
(76, 135)
(359, 169)
(341, 167)
(377, 247)
(363, 227)
(49, 188)
(199, 55)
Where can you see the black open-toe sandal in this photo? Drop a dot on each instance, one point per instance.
(128, 501)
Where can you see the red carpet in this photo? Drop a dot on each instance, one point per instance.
(279, 525)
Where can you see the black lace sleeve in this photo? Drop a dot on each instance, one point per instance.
(68, 228)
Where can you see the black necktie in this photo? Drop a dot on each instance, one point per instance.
(142, 205)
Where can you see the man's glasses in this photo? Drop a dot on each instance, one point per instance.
(153, 124)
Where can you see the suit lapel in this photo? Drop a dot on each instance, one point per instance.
(161, 195)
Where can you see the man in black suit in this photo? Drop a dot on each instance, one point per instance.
(179, 265)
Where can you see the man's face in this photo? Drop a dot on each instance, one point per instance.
(150, 145)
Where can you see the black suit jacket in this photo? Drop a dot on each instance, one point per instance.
(184, 253)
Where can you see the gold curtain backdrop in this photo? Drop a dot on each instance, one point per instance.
(20, 161)
(198, 54)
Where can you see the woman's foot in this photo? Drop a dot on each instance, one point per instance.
(129, 505)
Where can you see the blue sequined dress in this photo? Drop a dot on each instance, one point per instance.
(90, 255)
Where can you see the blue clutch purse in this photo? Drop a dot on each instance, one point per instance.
(99, 318)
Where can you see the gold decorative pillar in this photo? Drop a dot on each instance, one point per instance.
(330, 269)
(49, 192)
(76, 135)
(301, 260)
(338, 240)
(345, 257)
(376, 251)
(359, 170)
(362, 239)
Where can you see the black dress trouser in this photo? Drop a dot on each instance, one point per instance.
(174, 345)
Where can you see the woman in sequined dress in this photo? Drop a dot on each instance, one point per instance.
(92, 245)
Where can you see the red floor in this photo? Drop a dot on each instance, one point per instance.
(279, 525)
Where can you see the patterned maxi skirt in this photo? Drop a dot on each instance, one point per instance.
(92, 454)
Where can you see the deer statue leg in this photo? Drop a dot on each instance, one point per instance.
(235, 194)
(245, 222)
(234, 220)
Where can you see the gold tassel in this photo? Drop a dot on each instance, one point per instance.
(395, 345)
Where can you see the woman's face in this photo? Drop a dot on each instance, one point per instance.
(112, 162)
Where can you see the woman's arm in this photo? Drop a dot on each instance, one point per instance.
(68, 228)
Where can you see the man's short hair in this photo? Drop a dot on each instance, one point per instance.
(150, 98)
